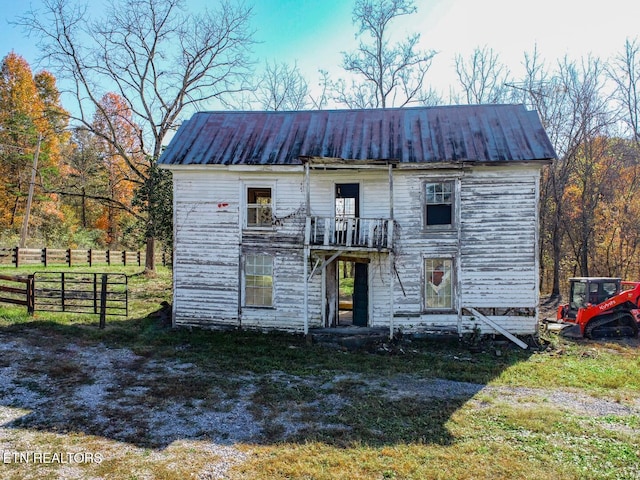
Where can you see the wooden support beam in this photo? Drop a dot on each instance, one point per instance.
(497, 327)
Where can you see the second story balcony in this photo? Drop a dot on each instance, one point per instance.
(349, 232)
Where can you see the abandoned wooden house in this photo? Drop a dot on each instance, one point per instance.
(435, 209)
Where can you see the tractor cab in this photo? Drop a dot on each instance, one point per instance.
(586, 291)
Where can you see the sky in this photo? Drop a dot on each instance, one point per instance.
(313, 33)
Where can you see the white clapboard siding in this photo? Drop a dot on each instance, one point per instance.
(498, 252)
(207, 248)
(287, 312)
(493, 245)
(374, 191)
(379, 290)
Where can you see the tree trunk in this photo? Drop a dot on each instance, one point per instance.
(150, 259)
(556, 245)
(84, 208)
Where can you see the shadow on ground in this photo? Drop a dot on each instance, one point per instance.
(142, 383)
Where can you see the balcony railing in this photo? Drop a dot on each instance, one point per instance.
(369, 233)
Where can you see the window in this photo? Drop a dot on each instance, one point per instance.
(438, 283)
(258, 275)
(438, 204)
(259, 207)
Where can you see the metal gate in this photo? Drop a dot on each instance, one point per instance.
(75, 292)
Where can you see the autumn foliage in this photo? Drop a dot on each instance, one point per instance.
(30, 114)
(84, 188)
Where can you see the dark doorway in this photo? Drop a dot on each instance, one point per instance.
(361, 295)
(345, 272)
(348, 200)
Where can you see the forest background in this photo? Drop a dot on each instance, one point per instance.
(129, 74)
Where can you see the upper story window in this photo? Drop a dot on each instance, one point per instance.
(259, 207)
(438, 204)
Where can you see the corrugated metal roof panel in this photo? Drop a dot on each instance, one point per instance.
(473, 133)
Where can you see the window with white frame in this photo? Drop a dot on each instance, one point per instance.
(258, 280)
(438, 274)
(259, 207)
(438, 204)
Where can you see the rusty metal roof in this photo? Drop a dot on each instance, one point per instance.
(464, 133)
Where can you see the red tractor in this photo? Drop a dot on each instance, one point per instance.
(600, 307)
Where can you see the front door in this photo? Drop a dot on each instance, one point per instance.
(361, 294)
(347, 200)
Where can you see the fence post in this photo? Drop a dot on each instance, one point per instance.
(90, 256)
(124, 258)
(43, 256)
(138, 258)
(108, 254)
(95, 293)
(16, 256)
(62, 290)
(103, 301)
(69, 256)
(31, 294)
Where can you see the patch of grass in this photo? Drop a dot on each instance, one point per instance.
(593, 367)
(353, 431)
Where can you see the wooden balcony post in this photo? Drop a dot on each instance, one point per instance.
(390, 224)
(327, 230)
(371, 233)
(307, 231)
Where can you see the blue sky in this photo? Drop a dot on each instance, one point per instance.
(314, 32)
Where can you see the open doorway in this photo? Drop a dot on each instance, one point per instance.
(347, 200)
(353, 293)
(346, 272)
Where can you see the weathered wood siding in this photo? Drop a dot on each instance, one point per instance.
(287, 312)
(498, 240)
(206, 243)
(499, 257)
(492, 244)
(210, 241)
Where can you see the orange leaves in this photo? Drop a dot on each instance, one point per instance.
(601, 207)
(30, 110)
(18, 92)
(123, 162)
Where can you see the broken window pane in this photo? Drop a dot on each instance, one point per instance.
(259, 212)
(438, 283)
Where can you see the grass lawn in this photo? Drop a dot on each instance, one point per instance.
(173, 404)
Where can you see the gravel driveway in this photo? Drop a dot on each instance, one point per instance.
(147, 403)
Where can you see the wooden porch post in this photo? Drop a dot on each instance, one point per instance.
(391, 256)
(307, 188)
(306, 289)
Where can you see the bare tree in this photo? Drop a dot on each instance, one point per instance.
(162, 60)
(322, 99)
(282, 87)
(483, 77)
(385, 75)
(624, 70)
(575, 112)
(587, 120)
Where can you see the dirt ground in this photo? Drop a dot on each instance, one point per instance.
(138, 402)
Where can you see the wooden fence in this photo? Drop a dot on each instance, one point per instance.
(18, 290)
(72, 257)
(70, 292)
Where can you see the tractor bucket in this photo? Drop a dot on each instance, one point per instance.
(571, 330)
(564, 329)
